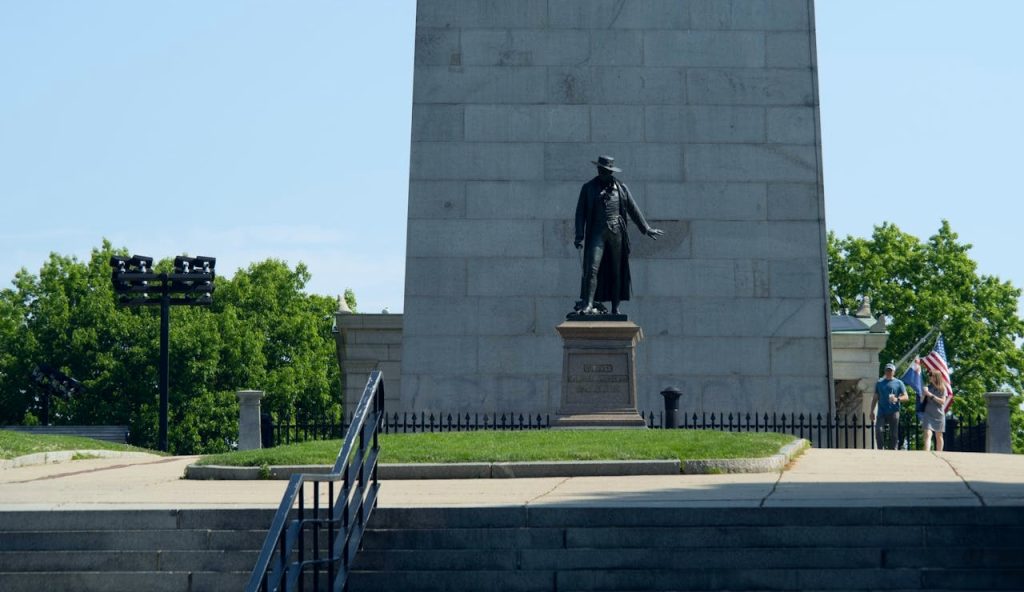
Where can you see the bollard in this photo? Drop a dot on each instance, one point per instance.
(671, 395)
(249, 419)
(997, 429)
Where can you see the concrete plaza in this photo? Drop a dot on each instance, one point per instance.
(841, 478)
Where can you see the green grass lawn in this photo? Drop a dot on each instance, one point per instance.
(15, 444)
(540, 445)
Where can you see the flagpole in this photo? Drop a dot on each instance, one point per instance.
(913, 350)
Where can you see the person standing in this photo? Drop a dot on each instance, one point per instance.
(602, 211)
(933, 420)
(889, 393)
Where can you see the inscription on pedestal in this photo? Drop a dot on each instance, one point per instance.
(598, 380)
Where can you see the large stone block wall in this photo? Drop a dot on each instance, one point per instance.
(711, 109)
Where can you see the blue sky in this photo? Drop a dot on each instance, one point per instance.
(253, 129)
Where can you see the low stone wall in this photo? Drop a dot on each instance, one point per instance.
(368, 342)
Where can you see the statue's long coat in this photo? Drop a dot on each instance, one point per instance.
(590, 219)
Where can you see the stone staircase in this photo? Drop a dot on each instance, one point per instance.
(564, 549)
(129, 550)
(536, 548)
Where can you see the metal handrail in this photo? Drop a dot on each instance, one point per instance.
(282, 563)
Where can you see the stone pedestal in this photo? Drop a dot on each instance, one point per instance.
(997, 432)
(249, 420)
(599, 374)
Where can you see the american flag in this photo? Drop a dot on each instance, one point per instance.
(936, 362)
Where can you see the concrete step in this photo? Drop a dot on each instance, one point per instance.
(688, 579)
(674, 538)
(465, 538)
(428, 581)
(139, 540)
(786, 579)
(209, 519)
(625, 559)
(211, 560)
(150, 581)
(553, 517)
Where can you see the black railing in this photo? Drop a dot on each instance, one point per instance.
(823, 431)
(832, 431)
(464, 422)
(290, 432)
(337, 523)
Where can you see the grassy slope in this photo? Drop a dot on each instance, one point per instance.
(490, 446)
(14, 444)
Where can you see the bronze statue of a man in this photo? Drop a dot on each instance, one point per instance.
(602, 211)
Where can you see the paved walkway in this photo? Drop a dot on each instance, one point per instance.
(817, 478)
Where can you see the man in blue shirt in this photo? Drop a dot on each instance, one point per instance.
(889, 393)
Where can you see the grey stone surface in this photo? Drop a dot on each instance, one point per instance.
(520, 200)
(527, 123)
(615, 85)
(998, 433)
(710, 109)
(706, 201)
(616, 123)
(749, 240)
(439, 84)
(249, 420)
(791, 125)
(705, 124)
(440, 276)
(616, 48)
(477, 161)
(794, 201)
(656, 162)
(437, 122)
(619, 14)
(367, 342)
(524, 47)
(437, 47)
(437, 199)
(747, 162)
(750, 87)
(767, 15)
(703, 49)
(484, 14)
(788, 50)
(476, 238)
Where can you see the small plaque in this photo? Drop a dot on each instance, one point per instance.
(598, 380)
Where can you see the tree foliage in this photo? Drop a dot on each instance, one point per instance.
(919, 285)
(262, 332)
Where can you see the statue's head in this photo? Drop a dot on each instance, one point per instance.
(606, 166)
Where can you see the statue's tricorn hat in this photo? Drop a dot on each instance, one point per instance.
(607, 162)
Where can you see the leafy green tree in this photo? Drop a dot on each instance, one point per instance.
(262, 332)
(919, 285)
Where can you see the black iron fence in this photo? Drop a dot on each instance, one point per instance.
(823, 431)
(288, 432)
(833, 431)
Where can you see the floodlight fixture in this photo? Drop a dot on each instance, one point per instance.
(136, 283)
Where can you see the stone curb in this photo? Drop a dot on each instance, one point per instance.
(771, 464)
(58, 456)
(512, 470)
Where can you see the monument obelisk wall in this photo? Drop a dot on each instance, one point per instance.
(711, 109)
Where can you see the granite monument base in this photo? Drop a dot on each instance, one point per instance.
(599, 375)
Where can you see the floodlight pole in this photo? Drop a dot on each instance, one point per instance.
(164, 366)
(136, 285)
